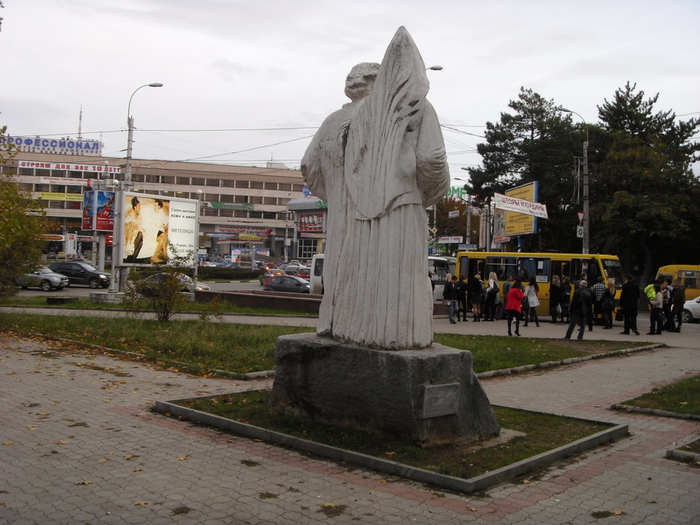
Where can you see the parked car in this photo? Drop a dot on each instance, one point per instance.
(691, 311)
(287, 283)
(265, 276)
(153, 282)
(291, 269)
(304, 272)
(42, 278)
(82, 273)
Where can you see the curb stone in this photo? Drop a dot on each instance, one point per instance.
(481, 482)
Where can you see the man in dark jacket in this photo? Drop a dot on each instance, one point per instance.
(580, 310)
(629, 302)
(677, 304)
(451, 295)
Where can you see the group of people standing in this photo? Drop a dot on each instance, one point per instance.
(577, 304)
(482, 297)
(666, 300)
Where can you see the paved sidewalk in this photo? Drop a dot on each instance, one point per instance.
(78, 444)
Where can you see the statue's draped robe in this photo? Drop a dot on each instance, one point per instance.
(379, 163)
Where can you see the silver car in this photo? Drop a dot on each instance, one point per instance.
(691, 311)
(42, 278)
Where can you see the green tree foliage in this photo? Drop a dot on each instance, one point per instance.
(645, 200)
(536, 142)
(457, 226)
(21, 226)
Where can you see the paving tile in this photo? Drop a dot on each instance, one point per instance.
(39, 476)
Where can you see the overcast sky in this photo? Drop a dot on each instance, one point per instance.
(248, 81)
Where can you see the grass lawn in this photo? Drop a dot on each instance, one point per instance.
(541, 432)
(240, 348)
(84, 303)
(682, 397)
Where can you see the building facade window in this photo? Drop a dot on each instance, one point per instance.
(306, 248)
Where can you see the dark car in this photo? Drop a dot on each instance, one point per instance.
(151, 284)
(82, 273)
(42, 278)
(287, 283)
(291, 269)
(272, 272)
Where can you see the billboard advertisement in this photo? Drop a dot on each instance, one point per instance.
(311, 222)
(98, 210)
(519, 223)
(154, 228)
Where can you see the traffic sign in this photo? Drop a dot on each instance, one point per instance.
(579, 232)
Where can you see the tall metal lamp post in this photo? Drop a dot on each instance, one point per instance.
(130, 126)
(127, 184)
(586, 216)
(468, 238)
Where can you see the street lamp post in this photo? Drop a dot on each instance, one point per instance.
(468, 237)
(586, 216)
(130, 127)
(127, 184)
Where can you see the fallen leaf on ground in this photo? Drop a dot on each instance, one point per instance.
(130, 457)
(62, 442)
(183, 458)
(8, 443)
(618, 512)
(140, 503)
(137, 470)
(84, 482)
(102, 460)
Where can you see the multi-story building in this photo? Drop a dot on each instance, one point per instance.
(242, 207)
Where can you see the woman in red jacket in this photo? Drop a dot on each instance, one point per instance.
(514, 302)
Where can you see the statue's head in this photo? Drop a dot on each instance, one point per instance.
(360, 80)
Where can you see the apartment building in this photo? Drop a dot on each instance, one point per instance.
(242, 207)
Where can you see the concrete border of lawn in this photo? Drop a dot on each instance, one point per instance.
(484, 481)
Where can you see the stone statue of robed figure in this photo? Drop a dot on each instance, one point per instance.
(379, 162)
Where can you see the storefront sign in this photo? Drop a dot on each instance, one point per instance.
(56, 146)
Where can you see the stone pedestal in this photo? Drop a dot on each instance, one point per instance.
(428, 396)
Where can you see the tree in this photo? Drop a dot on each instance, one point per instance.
(457, 226)
(645, 200)
(159, 288)
(536, 143)
(21, 226)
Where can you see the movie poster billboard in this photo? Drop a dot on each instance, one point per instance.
(154, 229)
(98, 210)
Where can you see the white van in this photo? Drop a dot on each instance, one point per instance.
(316, 277)
(438, 267)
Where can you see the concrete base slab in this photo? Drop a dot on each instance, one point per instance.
(430, 396)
